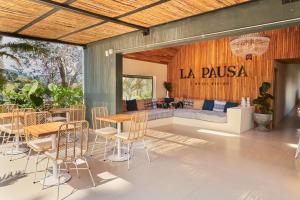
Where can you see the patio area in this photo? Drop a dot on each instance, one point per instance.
(187, 163)
(150, 99)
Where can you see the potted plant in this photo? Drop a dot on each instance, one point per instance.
(168, 87)
(263, 113)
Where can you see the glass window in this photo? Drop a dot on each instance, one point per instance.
(137, 87)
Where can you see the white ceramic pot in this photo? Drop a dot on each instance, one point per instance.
(262, 120)
(167, 96)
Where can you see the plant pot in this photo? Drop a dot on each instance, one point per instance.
(167, 95)
(262, 120)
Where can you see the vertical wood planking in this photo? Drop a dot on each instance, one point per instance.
(285, 44)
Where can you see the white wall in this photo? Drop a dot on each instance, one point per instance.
(158, 71)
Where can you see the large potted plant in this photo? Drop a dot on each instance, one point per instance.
(168, 88)
(263, 112)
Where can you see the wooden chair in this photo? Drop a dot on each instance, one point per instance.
(69, 152)
(101, 128)
(136, 133)
(76, 113)
(6, 108)
(38, 145)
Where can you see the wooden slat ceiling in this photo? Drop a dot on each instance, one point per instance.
(162, 56)
(86, 21)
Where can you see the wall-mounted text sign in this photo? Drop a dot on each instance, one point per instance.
(215, 72)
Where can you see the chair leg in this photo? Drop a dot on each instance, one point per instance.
(45, 173)
(105, 148)
(146, 149)
(94, 145)
(128, 155)
(28, 157)
(12, 148)
(90, 172)
(58, 175)
(75, 163)
(36, 165)
(298, 149)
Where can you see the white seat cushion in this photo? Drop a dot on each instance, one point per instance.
(106, 131)
(42, 144)
(57, 119)
(123, 135)
(8, 129)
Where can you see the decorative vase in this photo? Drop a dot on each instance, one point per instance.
(262, 120)
(243, 102)
(248, 102)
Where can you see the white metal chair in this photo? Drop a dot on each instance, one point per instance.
(14, 129)
(136, 133)
(76, 113)
(101, 128)
(38, 145)
(70, 152)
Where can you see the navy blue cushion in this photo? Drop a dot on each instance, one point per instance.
(230, 105)
(208, 104)
(131, 105)
(169, 100)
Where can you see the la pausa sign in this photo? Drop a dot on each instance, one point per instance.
(215, 72)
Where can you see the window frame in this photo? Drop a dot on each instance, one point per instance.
(138, 76)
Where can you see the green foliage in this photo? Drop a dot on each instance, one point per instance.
(137, 88)
(168, 86)
(28, 95)
(3, 81)
(263, 102)
(65, 96)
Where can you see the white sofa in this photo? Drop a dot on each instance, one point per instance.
(236, 120)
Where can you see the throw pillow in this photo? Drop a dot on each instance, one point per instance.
(154, 103)
(219, 106)
(140, 104)
(198, 104)
(188, 103)
(208, 105)
(230, 105)
(148, 104)
(131, 105)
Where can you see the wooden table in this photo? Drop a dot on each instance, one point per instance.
(44, 130)
(17, 150)
(118, 119)
(59, 110)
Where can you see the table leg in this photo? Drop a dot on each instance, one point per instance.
(53, 179)
(121, 156)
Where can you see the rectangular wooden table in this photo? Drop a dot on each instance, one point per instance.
(52, 129)
(118, 119)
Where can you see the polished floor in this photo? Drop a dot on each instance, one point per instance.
(187, 164)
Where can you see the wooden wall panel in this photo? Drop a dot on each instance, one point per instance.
(284, 44)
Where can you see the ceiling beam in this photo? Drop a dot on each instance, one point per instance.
(16, 35)
(94, 15)
(40, 18)
(120, 16)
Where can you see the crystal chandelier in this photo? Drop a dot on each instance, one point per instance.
(249, 44)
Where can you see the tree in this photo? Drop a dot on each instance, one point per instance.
(63, 64)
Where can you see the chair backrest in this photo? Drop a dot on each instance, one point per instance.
(35, 118)
(138, 125)
(6, 108)
(77, 113)
(99, 112)
(72, 142)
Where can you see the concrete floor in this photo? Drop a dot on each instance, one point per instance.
(187, 163)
